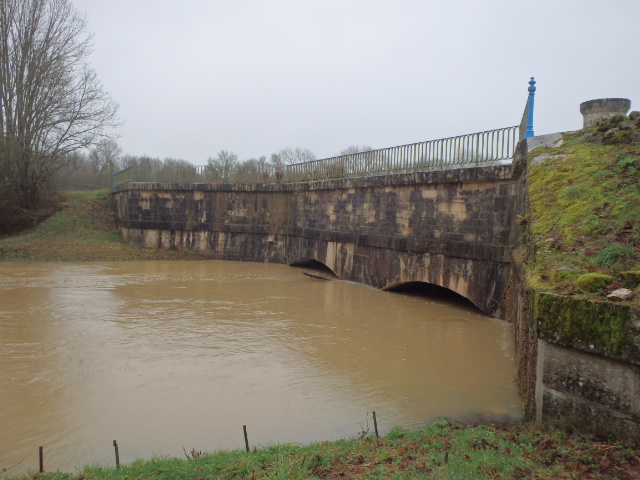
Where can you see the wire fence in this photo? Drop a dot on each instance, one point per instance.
(475, 149)
(194, 453)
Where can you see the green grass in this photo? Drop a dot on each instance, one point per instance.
(83, 229)
(584, 212)
(614, 253)
(438, 451)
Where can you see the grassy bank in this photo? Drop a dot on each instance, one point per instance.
(439, 451)
(83, 229)
(585, 215)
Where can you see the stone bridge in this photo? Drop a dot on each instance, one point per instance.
(453, 228)
(458, 228)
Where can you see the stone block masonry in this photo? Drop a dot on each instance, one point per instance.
(452, 228)
(588, 392)
(588, 365)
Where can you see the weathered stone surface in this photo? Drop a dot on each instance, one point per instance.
(596, 392)
(604, 381)
(455, 226)
(575, 414)
(587, 392)
(616, 130)
(620, 294)
(603, 108)
(595, 327)
(610, 133)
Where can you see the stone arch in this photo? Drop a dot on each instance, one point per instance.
(313, 264)
(434, 289)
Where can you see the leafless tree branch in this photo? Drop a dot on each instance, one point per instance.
(51, 102)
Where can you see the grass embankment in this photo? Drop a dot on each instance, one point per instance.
(585, 215)
(440, 451)
(83, 229)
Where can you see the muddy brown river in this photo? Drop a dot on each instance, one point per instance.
(165, 355)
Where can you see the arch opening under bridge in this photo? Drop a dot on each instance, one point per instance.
(432, 291)
(313, 264)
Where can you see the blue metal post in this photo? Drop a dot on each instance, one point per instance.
(532, 92)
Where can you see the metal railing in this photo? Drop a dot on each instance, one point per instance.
(264, 173)
(476, 149)
(466, 150)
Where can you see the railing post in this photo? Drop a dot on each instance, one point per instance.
(532, 92)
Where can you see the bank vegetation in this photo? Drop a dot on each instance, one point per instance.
(584, 215)
(83, 228)
(439, 451)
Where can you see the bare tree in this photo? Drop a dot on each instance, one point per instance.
(105, 156)
(221, 167)
(51, 102)
(133, 160)
(176, 162)
(351, 149)
(288, 156)
(253, 170)
(261, 161)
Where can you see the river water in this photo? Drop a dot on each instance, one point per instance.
(165, 355)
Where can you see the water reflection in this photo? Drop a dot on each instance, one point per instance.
(161, 355)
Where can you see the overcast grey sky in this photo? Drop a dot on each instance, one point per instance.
(255, 76)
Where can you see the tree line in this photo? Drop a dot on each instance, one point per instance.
(94, 168)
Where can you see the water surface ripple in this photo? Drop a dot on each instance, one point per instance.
(161, 355)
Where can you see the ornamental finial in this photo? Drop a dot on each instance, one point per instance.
(529, 110)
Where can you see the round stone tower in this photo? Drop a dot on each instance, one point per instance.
(595, 110)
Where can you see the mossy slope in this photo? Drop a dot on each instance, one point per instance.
(584, 214)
